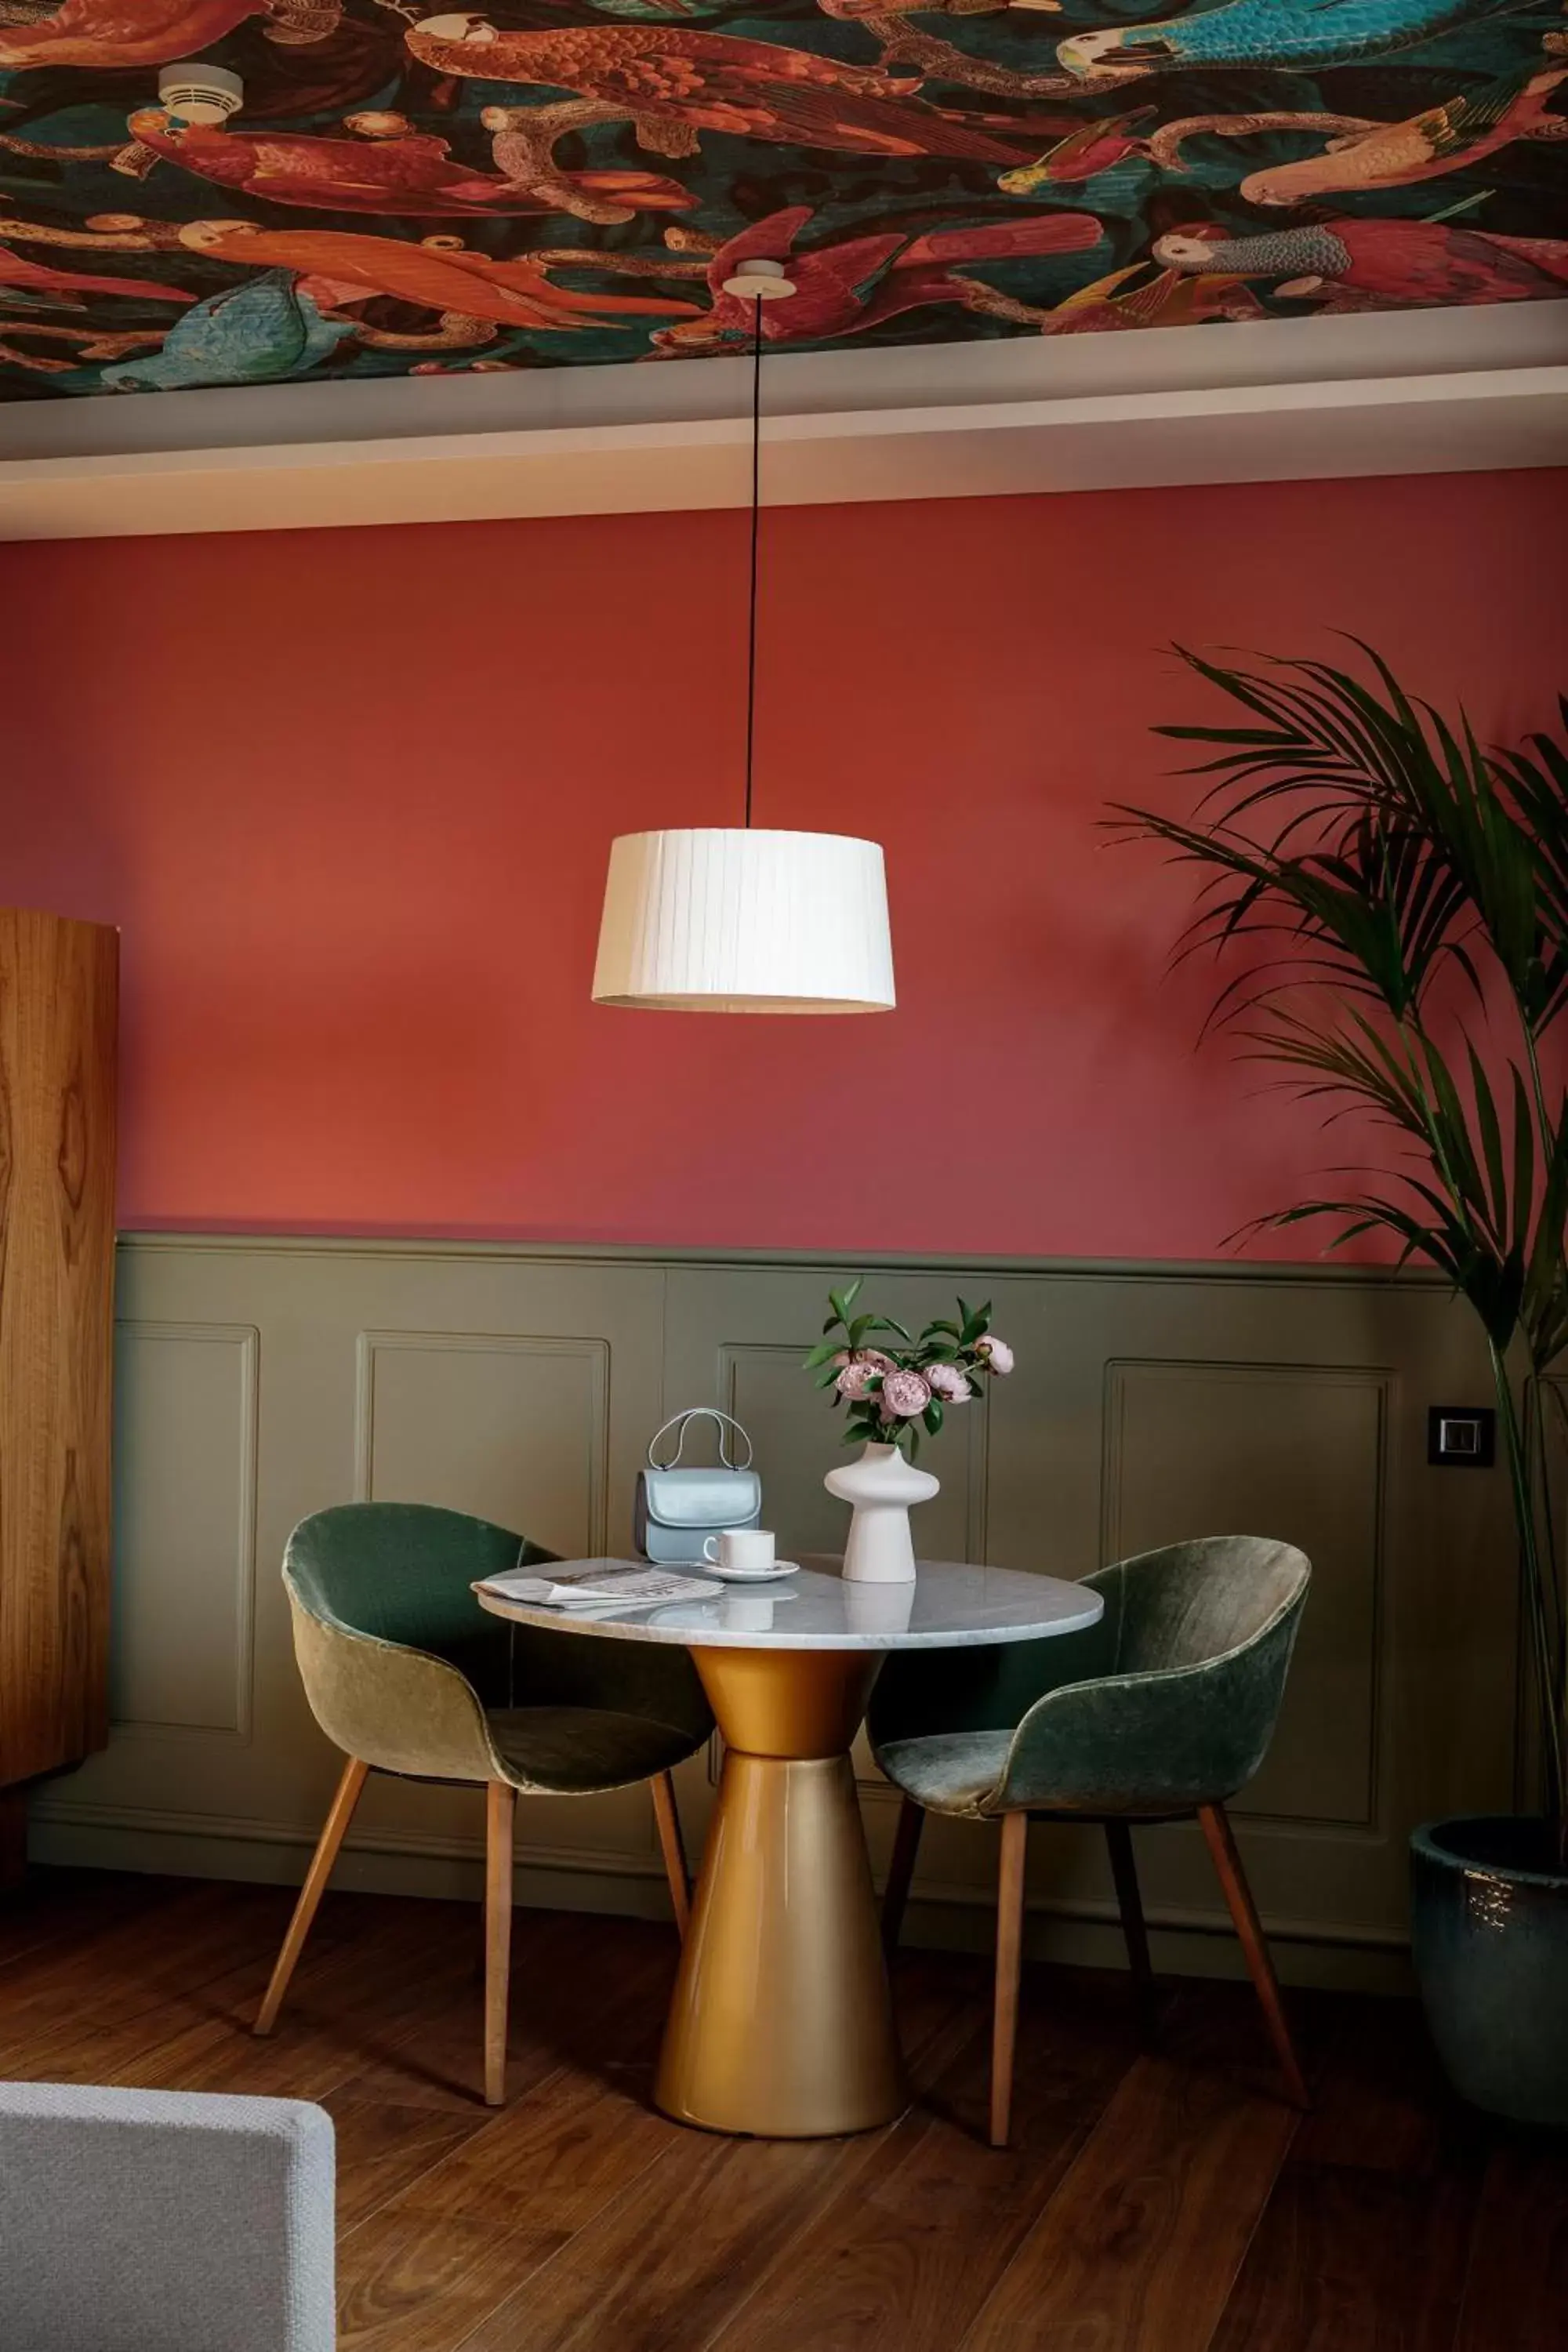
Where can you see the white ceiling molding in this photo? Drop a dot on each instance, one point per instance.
(1428, 392)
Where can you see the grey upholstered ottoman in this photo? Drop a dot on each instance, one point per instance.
(163, 2222)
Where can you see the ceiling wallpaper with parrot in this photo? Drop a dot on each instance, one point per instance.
(403, 191)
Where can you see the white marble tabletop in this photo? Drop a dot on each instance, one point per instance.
(951, 1605)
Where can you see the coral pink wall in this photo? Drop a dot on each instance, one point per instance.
(349, 794)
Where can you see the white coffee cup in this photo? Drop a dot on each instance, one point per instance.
(741, 1551)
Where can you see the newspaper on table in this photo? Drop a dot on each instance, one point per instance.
(594, 1584)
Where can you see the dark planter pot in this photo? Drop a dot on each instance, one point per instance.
(1489, 1938)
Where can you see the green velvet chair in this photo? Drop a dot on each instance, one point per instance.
(1162, 1711)
(406, 1674)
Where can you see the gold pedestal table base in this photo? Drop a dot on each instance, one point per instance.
(781, 2026)
(781, 2023)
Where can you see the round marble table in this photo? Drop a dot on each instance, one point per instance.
(781, 2026)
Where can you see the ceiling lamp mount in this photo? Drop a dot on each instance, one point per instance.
(743, 918)
(200, 94)
(760, 280)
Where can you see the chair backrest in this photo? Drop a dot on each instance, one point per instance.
(1188, 1604)
(397, 1575)
(401, 1572)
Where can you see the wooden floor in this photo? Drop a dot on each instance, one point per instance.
(1159, 2202)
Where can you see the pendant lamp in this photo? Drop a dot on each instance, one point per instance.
(743, 918)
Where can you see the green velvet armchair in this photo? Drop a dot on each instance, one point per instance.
(1160, 1711)
(406, 1674)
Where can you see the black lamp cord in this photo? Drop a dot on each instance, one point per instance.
(756, 517)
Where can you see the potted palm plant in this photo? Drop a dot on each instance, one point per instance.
(1394, 896)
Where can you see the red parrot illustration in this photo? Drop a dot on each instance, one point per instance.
(675, 81)
(857, 283)
(110, 34)
(338, 266)
(1095, 147)
(38, 278)
(380, 175)
(1390, 263)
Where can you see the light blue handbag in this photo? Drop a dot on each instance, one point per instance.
(676, 1511)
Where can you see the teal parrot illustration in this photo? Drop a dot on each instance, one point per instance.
(1301, 36)
(260, 333)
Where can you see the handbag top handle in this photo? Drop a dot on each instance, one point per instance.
(679, 1423)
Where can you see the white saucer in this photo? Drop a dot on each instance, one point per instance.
(749, 1575)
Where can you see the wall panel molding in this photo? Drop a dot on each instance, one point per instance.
(184, 1535)
(586, 1432)
(1311, 1438)
(266, 1377)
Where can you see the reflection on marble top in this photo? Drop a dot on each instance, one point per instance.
(951, 1605)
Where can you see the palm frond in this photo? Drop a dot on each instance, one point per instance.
(1356, 843)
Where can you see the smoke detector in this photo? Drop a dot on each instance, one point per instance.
(200, 94)
(759, 281)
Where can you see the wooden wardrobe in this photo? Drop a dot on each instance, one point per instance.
(58, 992)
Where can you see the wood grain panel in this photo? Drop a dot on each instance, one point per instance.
(1140, 2246)
(185, 1537)
(1349, 2260)
(905, 2251)
(1293, 1451)
(1516, 2295)
(58, 983)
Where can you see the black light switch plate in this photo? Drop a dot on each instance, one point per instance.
(1461, 1437)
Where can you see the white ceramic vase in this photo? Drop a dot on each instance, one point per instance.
(881, 1487)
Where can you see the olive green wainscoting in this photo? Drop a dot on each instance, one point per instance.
(260, 1379)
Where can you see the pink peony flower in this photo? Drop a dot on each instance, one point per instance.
(858, 1372)
(948, 1383)
(998, 1355)
(904, 1394)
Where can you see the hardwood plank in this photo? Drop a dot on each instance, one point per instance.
(59, 1907)
(422, 2273)
(904, 2256)
(1353, 2260)
(594, 2001)
(1379, 2102)
(13, 1839)
(1135, 2212)
(180, 1984)
(665, 2264)
(1516, 2295)
(383, 2150)
(1215, 2026)
(84, 2013)
(424, 2290)
(357, 1998)
(1140, 2244)
(664, 2267)
(433, 2260)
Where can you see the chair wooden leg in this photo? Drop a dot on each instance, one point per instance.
(1227, 1861)
(901, 1871)
(673, 1848)
(1124, 1870)
(1009, 1953)
(501, 1809)
(332, 1829)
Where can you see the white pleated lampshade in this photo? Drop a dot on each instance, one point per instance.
(725, 921)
